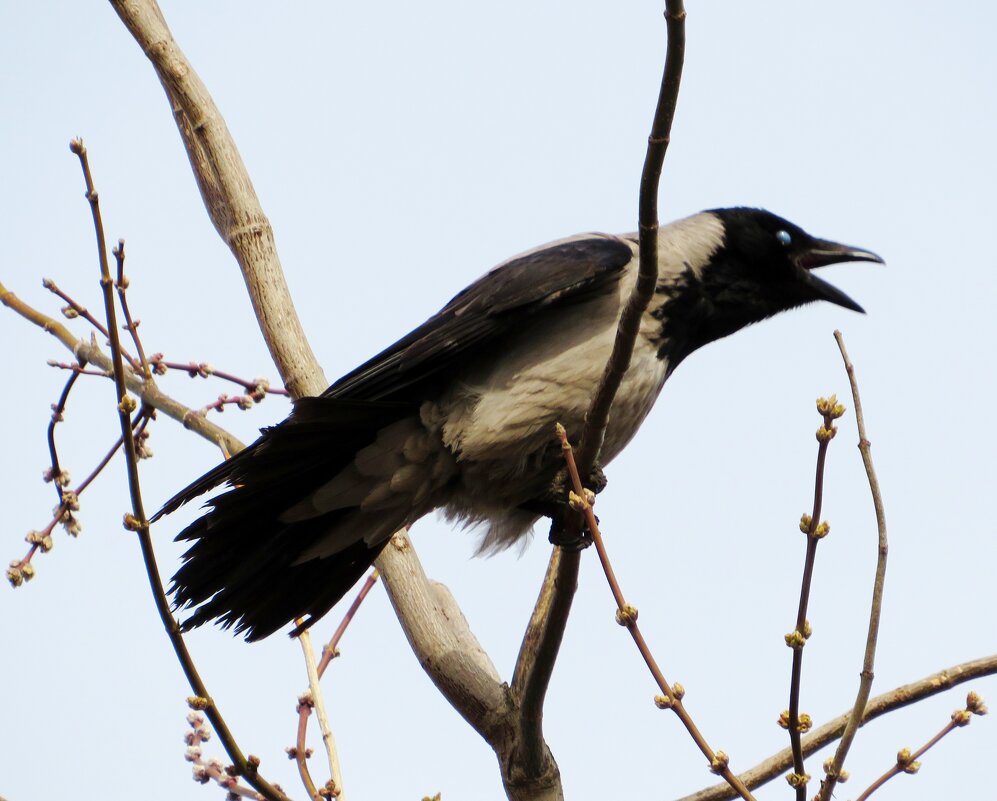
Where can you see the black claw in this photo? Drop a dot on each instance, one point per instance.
(553, 503)
(559, 534)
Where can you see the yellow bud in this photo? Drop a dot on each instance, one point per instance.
(719, 763)
(962, 717)
(626, 616)
(797, 780)
(975, 703)
(825, 434)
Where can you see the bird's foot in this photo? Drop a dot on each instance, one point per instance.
(562, 535)
(560, 487)
(555, 504)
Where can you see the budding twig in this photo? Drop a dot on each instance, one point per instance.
(121, 284)
(544, 633)
(626, 615)
(907, 762)
(257, 388)
(897, 698)
(20, 570)
(335, 784)
(830, 410)
(313, 698)
(212, 769)
(247, 766)
(835, 768)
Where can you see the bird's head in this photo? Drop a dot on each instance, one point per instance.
(758, 265)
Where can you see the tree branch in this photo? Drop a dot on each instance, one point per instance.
(815, 530)
(626, 615)
(902, 696)
(833, 771)
(229, 196)
(147, 391)
(543, 636)
(137, 520)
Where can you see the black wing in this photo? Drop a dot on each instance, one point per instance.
(243, 567)
(499, 302)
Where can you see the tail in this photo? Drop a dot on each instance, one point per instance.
(294, 532)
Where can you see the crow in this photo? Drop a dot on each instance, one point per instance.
(459, 414)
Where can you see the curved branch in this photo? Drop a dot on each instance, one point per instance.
(902, 696)
(228, 194)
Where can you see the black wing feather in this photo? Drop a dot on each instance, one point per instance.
(495, 304)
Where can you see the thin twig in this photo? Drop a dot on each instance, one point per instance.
(833, 770)
(542, 640)
(41, 541)
(150, 395)
(307, 701)
(121, 284)
(895, 699)
(331, 649)
(335, 784)
(77, 369)
(256, 387)
(58, 411)
(138, 522)
(78, 309)
(830, 410)
(626, 615)
(907, 762)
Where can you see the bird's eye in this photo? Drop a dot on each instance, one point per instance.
(784, 237)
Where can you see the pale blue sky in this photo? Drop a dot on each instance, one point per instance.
(400, 150)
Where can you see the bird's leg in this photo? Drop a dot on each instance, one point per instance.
(553, 503)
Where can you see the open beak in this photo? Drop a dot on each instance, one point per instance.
(821, 253)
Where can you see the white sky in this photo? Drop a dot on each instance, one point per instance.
(400, 150)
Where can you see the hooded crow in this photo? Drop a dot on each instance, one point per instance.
(459, 414)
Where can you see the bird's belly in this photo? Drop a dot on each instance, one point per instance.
(503, 431)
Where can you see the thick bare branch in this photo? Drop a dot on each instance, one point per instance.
(229, 196)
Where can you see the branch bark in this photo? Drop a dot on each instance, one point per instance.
(228, 195)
